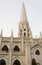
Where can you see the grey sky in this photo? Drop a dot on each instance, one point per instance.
(10, 11)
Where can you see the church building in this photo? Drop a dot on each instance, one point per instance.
(23, 49)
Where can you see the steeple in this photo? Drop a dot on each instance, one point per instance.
(24, 29)
(23, 17)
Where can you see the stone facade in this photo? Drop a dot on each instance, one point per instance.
(23, 50)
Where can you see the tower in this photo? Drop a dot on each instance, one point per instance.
(24, 29)
(25, 34)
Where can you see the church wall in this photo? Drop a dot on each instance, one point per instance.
(38, 58)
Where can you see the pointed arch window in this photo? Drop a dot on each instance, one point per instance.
(24, 34)
(28, 34)
(20, 32)
(5, 48)
(16, 48)
(16, 62)
(34, 61)
(2, 62)
(37, 52)
(24, 29)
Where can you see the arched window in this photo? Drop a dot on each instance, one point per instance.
(28, 34)
(16, 62)
(2, 62)
(34, 62)
(24, 29)
(37, 52)
(5, 48)
(16, 48)
(24, 34)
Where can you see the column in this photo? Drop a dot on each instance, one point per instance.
(22, 45)
(10, 51)
(27, 55)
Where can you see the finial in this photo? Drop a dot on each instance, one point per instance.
(40, 35)
(1, 32)
(12, 33)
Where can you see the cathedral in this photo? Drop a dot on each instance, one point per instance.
(23, 49)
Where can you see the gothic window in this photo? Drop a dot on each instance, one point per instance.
(16, 48)
(2, 62)
(16, 62)
(28, 34)
(34, 61)
(20, 32)
(24, 34)
(24, 29)
(5, 48)
(37, 52)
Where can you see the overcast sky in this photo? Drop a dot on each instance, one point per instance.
(10, 11)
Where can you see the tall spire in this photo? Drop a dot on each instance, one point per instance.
(24, 29)
(23, 14)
